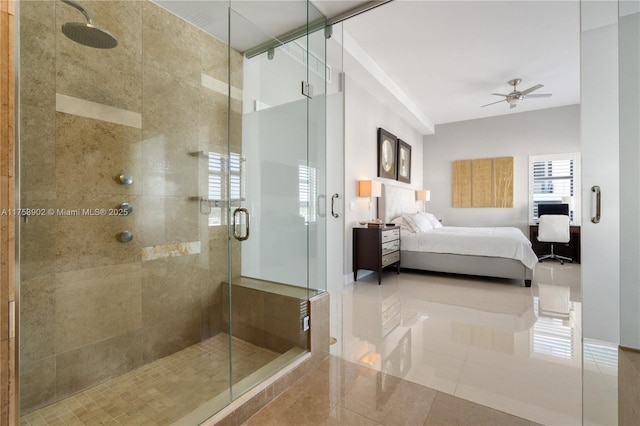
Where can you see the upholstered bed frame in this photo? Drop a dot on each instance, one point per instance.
(396, 201)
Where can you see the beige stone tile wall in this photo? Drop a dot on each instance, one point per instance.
(8, 391)
(255, 320)
(91, 307)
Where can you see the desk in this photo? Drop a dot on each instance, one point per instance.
(571, 249)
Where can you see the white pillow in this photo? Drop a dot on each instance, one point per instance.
(435, 223)
(419, 223)
(404, 226)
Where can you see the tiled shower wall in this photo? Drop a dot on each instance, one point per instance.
(92, 307)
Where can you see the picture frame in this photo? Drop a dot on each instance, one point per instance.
(403, 162)
(387, 154)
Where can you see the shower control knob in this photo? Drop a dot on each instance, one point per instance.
(125, 236)
(125, 179)
(125, 209)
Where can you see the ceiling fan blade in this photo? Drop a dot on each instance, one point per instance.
(531, 89)
(512, 106)
(540, 95)
(500, 94)
(496, 102)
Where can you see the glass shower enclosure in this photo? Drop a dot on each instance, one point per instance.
(175, 187)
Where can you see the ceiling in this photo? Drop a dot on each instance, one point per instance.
(449, 56)
(434, 62)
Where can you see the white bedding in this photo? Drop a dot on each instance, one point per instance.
(492, 242)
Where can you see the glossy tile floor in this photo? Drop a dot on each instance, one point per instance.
(427, 348)
(339, 392)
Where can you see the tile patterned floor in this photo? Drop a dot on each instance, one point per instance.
(421, 349)
(484, 340)
(159, 393)
(437, 349)
(339, 392)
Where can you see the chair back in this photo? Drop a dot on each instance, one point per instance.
(553, 228)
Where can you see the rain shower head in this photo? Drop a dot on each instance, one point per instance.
(87, 33)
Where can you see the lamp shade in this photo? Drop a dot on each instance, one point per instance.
(369, 188)
(423, 195)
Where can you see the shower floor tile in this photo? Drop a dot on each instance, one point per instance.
(161, 392)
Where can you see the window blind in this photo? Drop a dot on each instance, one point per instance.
(219, 189)
(307, 189)
(554, 179)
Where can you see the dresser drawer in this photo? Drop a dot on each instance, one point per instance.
(390, 258)
(390, 235)
(391, 246)
(375, 248)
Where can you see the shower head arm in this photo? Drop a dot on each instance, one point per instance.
(80, 8)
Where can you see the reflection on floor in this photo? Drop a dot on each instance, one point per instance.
(490, 341)
(482, 340)
(161, 392)
(339, 392)
(600, 378)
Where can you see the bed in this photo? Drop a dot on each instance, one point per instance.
(501, 252)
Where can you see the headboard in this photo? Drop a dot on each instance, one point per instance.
(396, 201)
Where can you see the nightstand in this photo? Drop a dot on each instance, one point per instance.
(375, 249)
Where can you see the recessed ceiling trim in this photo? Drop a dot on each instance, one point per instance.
(369, 64)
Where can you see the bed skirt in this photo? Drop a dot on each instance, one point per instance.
(498, 267)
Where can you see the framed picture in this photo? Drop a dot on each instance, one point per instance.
(404, 161)
(387, 146)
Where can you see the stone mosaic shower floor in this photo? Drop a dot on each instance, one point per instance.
(159, 393)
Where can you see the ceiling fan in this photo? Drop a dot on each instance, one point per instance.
(516, 96)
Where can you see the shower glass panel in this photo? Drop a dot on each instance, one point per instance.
(121, 274)
(277, 224)
(140, 300)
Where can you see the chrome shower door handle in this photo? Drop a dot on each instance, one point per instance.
(596, 189)
(333, 199)
(236, 214)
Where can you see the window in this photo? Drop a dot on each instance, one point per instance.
(307, 190)
(554, 179)
(217, 184)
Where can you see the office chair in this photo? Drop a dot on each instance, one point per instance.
(554, 228)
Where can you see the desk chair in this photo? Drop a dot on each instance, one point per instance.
(554, 228)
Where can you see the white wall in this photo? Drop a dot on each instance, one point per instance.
(548, 131)
(600, 164)
(630, 181)
(363, 115)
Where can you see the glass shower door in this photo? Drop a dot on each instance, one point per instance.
(276, 231)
